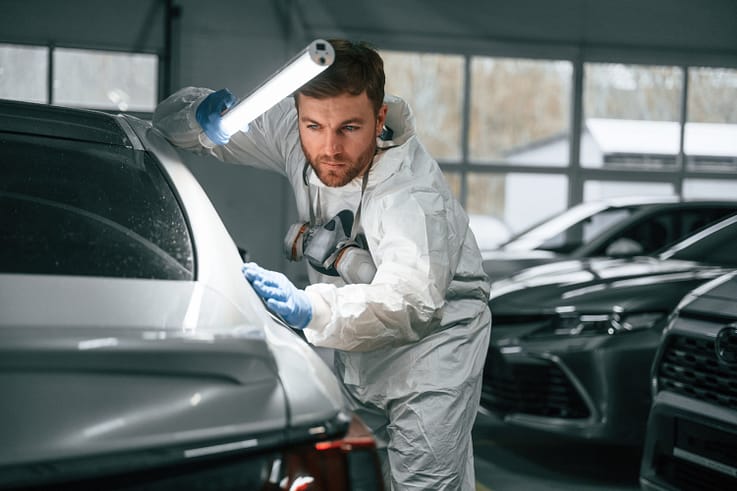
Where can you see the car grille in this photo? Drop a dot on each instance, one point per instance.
(537, 387)
(689, 367)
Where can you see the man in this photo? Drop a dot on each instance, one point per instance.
(411, 337)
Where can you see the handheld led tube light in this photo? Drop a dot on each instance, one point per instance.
(311, 61)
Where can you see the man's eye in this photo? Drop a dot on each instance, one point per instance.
(311, 126)
(350, 128)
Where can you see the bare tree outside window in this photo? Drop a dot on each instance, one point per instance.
(710, 140)
(632, 92)
(631, 117)
(518, 108)
(432, 84)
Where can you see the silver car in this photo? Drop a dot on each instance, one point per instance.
(133, 354)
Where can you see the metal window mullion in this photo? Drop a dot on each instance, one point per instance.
(664, 175)
(50, 74)
(465, 125)
(681, 159)
(166, 61)
(575, 177)
(585, 173)
(500, 167)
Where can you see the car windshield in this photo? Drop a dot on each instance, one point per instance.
(70, 207)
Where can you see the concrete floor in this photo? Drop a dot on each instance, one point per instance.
(509, 459)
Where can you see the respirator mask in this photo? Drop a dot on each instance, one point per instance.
(331, 249)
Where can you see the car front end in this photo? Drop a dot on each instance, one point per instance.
(692, 428)
(571, 349)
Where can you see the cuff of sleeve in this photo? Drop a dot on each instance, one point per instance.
(321, 314)
(192, 120)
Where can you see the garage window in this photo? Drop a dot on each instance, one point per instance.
(501, 128)
(520, 199)
(631, 116)
(432, 84)
(710, 139)
(98, 79)
(105, 80)
(520, 111)
(24, 73)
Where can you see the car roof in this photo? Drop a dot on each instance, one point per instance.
(62, 122)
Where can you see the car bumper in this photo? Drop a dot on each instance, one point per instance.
(689, 442)
(593, 389)
(692, 429)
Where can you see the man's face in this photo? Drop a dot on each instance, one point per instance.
(338, 135)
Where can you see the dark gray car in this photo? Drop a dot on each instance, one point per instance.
(133, 354)
(573, 342)
(692, 430)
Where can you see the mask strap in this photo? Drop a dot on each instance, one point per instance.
(357, 217)
(305, 179)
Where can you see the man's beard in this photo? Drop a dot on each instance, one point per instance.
(337, 177)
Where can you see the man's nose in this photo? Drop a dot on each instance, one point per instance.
(333, 144)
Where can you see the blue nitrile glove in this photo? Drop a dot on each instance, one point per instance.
(281, 296)
(210, 115)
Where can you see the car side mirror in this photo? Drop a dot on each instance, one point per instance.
(624, 247)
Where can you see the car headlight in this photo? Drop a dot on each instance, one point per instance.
(577, 324)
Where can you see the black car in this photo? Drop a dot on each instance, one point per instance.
(692, 430)
(573, 342)
(618, 227)
(133, 353)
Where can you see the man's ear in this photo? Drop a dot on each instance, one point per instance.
(381, 118)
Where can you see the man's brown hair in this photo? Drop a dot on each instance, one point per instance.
(357, 67)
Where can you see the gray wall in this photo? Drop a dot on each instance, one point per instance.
(238, 43)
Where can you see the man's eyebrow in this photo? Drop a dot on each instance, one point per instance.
(356, 120)
(353, 120)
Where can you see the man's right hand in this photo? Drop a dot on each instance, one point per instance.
(209, 115)
(280, 295)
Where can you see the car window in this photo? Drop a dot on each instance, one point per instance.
(661, 229)
(584, 231)
(715, 245)
(78, 208)
(694, 220)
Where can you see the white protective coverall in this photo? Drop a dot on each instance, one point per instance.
(410, 346)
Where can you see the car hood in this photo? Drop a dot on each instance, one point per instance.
(94, 367)
(501, 264)
(598, 284)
